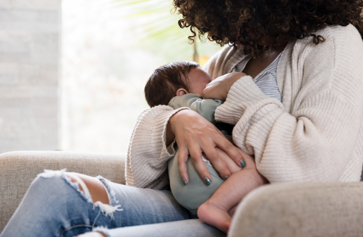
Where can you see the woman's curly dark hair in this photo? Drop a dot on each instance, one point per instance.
(249, 21)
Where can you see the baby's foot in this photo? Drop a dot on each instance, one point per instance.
(213, 214)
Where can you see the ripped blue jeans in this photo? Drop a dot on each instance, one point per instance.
(55, 206)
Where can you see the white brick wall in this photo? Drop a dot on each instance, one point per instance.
(29, 73)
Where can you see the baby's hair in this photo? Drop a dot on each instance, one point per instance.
(166, 80)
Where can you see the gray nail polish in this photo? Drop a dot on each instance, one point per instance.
(243, 163)
(207, 181)
(184, 182)
(225, 178)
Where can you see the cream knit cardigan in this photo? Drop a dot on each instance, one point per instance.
(314, 135)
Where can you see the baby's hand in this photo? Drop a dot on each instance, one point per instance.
(219, 87)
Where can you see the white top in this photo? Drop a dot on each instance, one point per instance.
(265, 80)
(314, 135)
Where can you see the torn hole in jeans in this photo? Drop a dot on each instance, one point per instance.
(105, 209)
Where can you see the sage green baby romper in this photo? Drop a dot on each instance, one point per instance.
(196, 192)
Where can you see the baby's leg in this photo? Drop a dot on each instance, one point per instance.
(215, 211)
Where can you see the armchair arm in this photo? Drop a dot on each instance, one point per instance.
(300, 210)
(18, 169)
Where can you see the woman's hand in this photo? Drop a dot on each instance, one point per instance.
(219, 87)
(195, 135)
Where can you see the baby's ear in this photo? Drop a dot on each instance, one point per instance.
(181, 92)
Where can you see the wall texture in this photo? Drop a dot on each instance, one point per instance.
(29, 73)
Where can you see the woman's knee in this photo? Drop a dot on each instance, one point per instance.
(46, 189)
(49, 181)
(60, 183)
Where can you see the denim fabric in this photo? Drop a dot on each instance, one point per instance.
(53, 206)
(185, 228)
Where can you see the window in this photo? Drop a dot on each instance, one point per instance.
(109, 50)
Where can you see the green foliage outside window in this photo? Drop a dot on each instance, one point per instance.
(157, 30)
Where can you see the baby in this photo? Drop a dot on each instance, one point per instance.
(181, 84)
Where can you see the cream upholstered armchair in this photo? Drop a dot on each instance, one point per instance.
(18, 169)
(284, 210)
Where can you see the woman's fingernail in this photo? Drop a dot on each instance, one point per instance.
(207, 181)
(243, 163)
(225, 178)
(184, 182)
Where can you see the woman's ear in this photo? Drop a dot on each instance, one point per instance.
(181, 91)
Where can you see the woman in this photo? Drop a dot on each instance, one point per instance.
(314, 135)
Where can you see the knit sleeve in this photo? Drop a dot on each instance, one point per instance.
(147, 156)
(315, 139)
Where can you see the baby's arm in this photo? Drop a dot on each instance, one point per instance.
(204, 107)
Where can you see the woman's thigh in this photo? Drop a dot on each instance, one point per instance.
(54, 206)
(143, 206)
(190, 228)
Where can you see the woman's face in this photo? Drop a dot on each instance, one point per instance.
(198, 80)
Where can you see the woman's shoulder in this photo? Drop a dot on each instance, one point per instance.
(331, 63)
(341, 32)
(347, 37)
(341, 43)
(337, 40)
(223, 61)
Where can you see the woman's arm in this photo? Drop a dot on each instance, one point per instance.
(314, 143)
(195, 135)
(314, 140)
(147, 154)
(151, 146)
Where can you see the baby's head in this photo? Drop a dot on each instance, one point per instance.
(175, 79)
